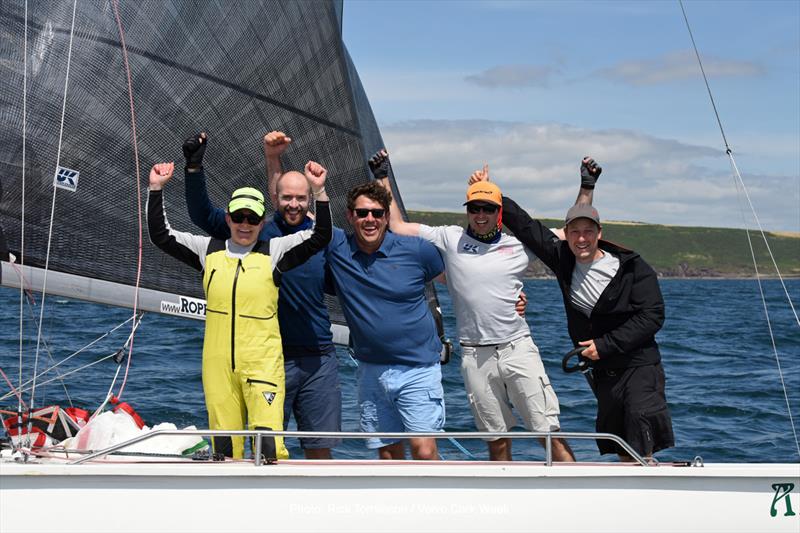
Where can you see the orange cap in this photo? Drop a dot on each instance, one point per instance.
(484, 191)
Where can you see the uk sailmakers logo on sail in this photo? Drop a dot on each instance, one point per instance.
(66, 178)
(185, 306)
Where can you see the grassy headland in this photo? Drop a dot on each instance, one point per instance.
(679, 251)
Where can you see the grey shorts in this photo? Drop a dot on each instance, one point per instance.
(508, 375)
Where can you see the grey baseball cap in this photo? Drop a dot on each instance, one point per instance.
(583, 211)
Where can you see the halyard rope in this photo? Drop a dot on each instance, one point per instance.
(115, 3)
(740, 182)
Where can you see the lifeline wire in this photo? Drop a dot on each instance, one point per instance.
(739, 181)
(138, 192)
(52, 211)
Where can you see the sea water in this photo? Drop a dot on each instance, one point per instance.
(723, 383)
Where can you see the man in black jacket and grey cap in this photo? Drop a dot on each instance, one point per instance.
(614, 309)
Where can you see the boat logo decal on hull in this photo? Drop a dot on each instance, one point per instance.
(782, 492)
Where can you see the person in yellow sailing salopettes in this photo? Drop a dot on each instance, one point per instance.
(243, 376)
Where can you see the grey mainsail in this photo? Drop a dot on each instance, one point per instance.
(234, 69)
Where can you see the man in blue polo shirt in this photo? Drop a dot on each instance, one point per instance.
(380, 280)
(313, 392)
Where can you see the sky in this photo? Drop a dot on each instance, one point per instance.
(530, 87)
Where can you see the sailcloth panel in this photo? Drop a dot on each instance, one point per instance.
(234, 69)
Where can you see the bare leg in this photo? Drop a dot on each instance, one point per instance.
(562, 452)
(393, 451)
(424, 449)
(500, 450)
(318, 453)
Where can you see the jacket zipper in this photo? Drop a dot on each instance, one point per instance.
(251, 381)
(239, 267)
(210, 277)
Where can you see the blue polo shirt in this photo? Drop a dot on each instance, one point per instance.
(383, 298)
(302, 313)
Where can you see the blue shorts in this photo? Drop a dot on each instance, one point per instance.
(314, 395)
(399, 398)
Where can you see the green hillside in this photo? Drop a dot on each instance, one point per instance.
(680, 251)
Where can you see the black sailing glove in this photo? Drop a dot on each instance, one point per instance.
(379, 164)
(590, 173)
(193, 150)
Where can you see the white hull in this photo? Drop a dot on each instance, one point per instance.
(395, 496)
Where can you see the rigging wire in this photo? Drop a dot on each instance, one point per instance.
(736, 172)
(67, 358)
(738, 175)
(58, 373)
(21, 403)
(740, 182)
(88, 365)
(55, 364)
(115, 3)
(31, 301)
(66, 374)
(15, 392)
(52, 211)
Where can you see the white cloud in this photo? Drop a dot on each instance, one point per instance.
(675, 66)
(515, 76)
(645, 178)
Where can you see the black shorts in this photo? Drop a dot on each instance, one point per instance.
(632, 404)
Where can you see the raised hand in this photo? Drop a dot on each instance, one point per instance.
(160, 174)
(316, 175)
(590, 172)
(379, 164)
(480, 175)
(193, 150)
(275, 143)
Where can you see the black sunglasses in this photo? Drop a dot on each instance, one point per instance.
(237, 217)
(376, 213)
(490, 209)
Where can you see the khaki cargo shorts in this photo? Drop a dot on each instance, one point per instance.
(502, 376)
